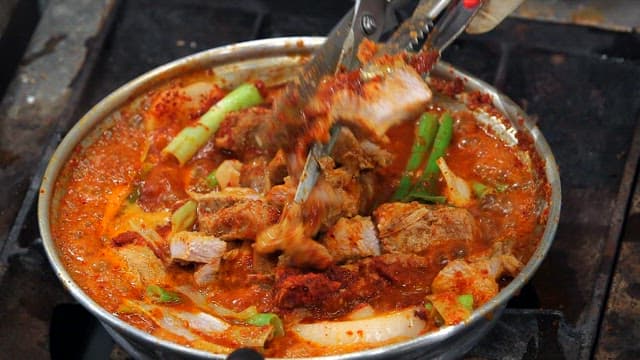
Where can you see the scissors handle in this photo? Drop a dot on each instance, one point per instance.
(453, 23)
(456, 18)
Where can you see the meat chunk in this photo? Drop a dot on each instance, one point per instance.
(351, 239)
(387, 100)
(127, 237)
(414, 227)
(206, 273)
(379, 156)
(347, 151)
(241, 268)
(405, 270)
(369, 181)
(477, 276)
(242, 220)
(339, 289)
(254, 175)
(228, 174)
(196, 247)
(248, 132)
(142, 264)
(289, 236)
(279, 195)
(277, 169)
(161, 189)
(261, 175)
(336, 195)
(353, 154)
(302, 290)
(216, 200)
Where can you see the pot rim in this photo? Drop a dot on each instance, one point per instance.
(265, 48)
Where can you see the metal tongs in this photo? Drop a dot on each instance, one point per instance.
(439, 21)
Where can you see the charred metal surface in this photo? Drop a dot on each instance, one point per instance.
(41, 96)
(148, 33)
(17, 23)
(619, 15)
(29, 293)
(526, 334)
(573, 86)
(588, 115)
(35, 108)
(620, 328)
(6, 9)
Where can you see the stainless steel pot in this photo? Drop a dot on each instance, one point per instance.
(274, 60)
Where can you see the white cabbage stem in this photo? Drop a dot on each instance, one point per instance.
(458, 191)
(397, 325)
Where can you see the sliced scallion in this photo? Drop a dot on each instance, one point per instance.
(160, 295)
(264, 319)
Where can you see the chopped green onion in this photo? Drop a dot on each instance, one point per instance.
(466, 301)
(183, 218)
(134, 195)
(222, 311)
(501, 187)
(440, 144)
(126, 308)
(192, 138)
(212, 180)
(427, 128)
(146, 167)
(264, 319)
(480, 189)
(160, 295)
(426, 197)
(428, 306)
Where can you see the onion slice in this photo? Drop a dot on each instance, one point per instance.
(400, 324)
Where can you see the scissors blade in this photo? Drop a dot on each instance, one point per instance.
(453, 23)
(413, 30)
(323, 62)
(364, 10)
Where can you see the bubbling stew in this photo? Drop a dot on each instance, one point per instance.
(178, 216)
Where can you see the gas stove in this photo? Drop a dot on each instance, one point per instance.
(580, 83)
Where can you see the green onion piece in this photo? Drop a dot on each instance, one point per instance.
(466, 301)
(427, 128)
(263, 319)
(125, 308)
(192, 138)
(160, 295)
(212, 180)
(183, 218)
(428, 306)
(427, 180)
(480, 189)
(146, 167)
(501, 187)
(134, 195)
(242, 315)
(425, 197)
